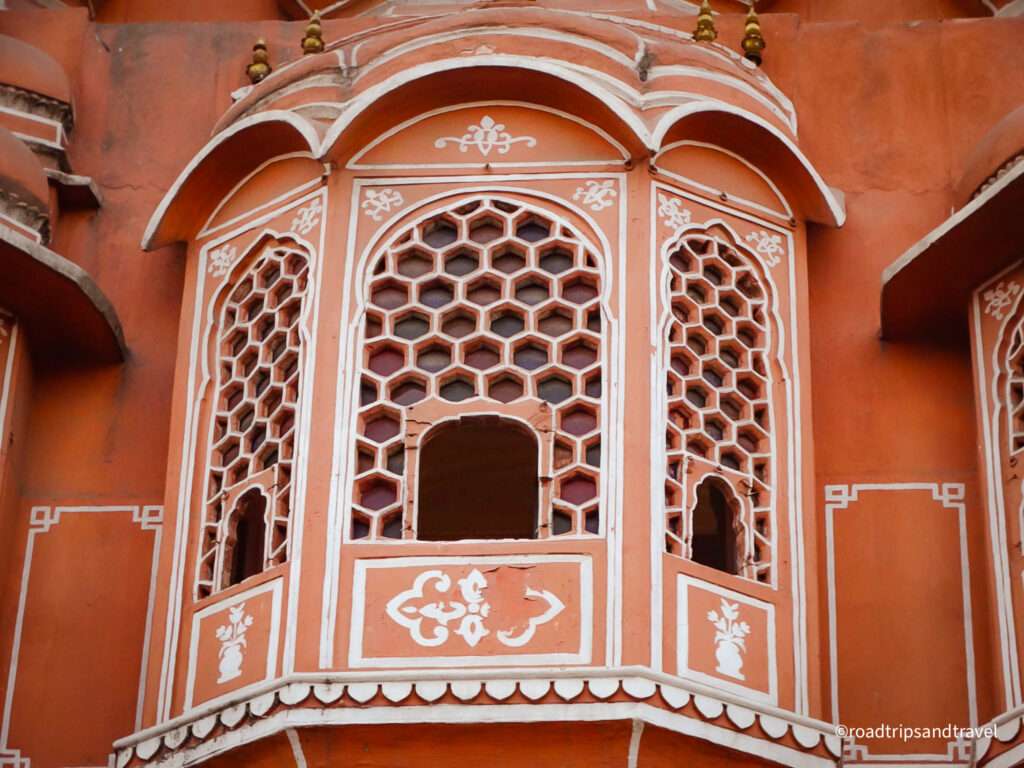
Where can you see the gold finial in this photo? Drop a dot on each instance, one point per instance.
(313, 42)
(259, 67)
(753, 40)
(705, 32)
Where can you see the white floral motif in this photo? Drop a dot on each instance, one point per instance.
(672, 215)
(769, 246)
(729, 639)
(379, 202)
(597, 194)
(307, 218)
(467, 615)
(232, 643)
(999, 298)
(221, 260)
(487, 136)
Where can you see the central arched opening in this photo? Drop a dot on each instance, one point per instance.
(246, 538)
(478, 480)
(714, 542)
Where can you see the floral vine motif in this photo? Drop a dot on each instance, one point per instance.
(307, 218)
(729, 639)
(232, 643)
(999, 298)
(221, 260)
(769, 246)
(487, 136)
(379, 202)
(671, 214)
(597, 194)
(466, 616)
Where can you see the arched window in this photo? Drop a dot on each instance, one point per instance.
(489, 306)
(719, 406)
(257, 351)
(478, 479)
(714, 541)
(246, 540)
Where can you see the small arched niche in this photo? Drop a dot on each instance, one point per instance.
(714, 540)
(247, 535)
(478, 479)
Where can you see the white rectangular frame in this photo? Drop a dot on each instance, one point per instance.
(274, 586)
(683, 641)
(357, 660)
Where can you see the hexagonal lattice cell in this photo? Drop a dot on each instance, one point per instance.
(488, 301)
(716, 381)
(257, 398)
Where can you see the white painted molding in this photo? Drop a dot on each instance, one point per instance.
(42, 519)
(951, 497)
(633, 693)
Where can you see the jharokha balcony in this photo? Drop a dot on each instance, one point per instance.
(504, 381)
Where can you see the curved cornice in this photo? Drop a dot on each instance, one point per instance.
(67, 317)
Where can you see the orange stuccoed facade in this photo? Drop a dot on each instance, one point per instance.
(633, 383)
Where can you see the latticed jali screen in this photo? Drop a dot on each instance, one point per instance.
(258, 362)
(719, 397)
(486, 302)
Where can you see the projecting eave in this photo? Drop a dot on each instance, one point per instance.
(925, 292)
(67, 317)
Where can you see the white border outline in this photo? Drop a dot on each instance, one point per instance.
(176, 586)
(349, 344)
(354, 164)
(150, 517)
(995, 503)
(356, 659)
(794, 448)
(951, 497)
(683, 583)
(273, 637)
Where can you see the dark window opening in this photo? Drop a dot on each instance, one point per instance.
(478, 480)
(714, 541)
(246, 541)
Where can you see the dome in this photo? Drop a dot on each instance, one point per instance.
(26, 67)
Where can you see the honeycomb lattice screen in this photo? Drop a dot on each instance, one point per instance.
(1015, 368)
(488, 301)
(259, 357)
(719, 395)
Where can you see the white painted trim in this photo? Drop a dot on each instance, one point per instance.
(995, 504)
(667, 121)
(190, 441)
(950, 496)
(354, 163)
(683, 581)
(41, 520)
(296, 744)
(349, 344)
(274, 587)
(499, 713)
(208, 230)
(372, 95)
(890, 272)
(59, 139)
(302, 127)
(8, 374)
(660, 303)
(356, 659)
(786, 213)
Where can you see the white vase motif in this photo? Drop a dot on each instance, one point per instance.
(729, 640)
(230, 662)
(232, 643)
(729, 660)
